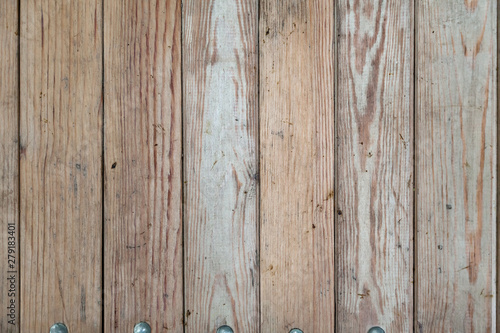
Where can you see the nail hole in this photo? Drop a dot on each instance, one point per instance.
(58, 328)
(113, 165)
(142, 327)
(376, 329)
(225, 329)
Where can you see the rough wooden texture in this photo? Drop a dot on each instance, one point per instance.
(374, 166)
(221, 165)
(60, 165)
(9, 167)
(497, 99)
(143, 165)
(456, 165)
(297, 162)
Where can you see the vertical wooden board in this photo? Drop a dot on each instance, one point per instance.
(143, 165)
(496, 317)
(220, 165)
(60, 164)
(374, 166)
(9, 167)
(456, 165)
(297, 57)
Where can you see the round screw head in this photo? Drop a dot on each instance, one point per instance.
(296, 330)
(376, 329)
(142, 327)
(225, 329)
(58, 328)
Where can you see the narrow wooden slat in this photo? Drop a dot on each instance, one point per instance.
(456, 165)
(374, 166)
(9, 167)
(143, 165)
(220, 165)
(60, 165)
(297, 165)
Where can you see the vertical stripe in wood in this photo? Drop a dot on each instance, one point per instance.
(374, 166)
(60, 164)
(496, 317)
(456, 165)
(220, 165)
(9, 167)
(296, 40)
(143, 165)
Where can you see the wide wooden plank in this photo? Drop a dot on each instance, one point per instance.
(9, 167)
(143, 165)
(374, 166)
(60, 164)
(297, 165)
(220, 165)
(456, 151)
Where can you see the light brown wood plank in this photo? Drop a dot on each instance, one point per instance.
(143, 165)
(60, 165)
(456, 165)
(374, 166)
(9, 167)
(220, 165)
(297, 165)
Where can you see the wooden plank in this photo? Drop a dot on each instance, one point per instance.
(9, 167)
(297, 165)
(143, 165)
(60, 164)
(456, 165)
(220, 165)
(374, 166)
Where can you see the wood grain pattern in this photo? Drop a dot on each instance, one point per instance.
(143, 165)
(9, 167)
(220, 165)
(297, 161)
(374, 166)
(60, 165)
(456, 165)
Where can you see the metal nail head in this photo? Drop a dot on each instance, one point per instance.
(376, 329)
(58, 328)
(225, 329)
(142, 327)
(296, 330)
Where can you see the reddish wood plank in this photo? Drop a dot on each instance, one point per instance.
(143, 163)
(456, 156)
(374, 166)
(297, 165)
(60, 165)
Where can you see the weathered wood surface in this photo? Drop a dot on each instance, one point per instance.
(220, 165)
(293, 206)
(60, 164)
(374, 166)
(296, 40)
(143, 165)
(9, 167)
(456, 167)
